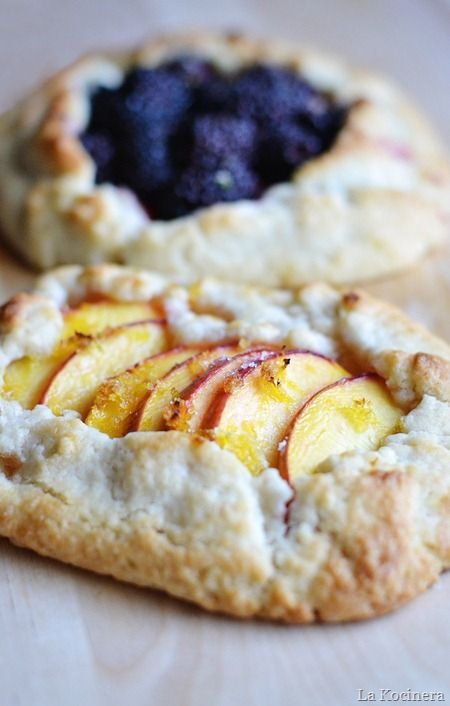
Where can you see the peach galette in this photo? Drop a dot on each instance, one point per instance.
(259, 452)
(200, 152)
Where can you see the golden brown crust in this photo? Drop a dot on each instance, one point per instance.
(373, 562)
(176, 512)
(58, 149)
(10, 464)
(378, 566)
(380, 194)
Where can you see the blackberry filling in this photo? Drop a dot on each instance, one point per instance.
(184, 135)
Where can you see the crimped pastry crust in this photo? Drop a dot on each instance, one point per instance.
(174, 511)
(373, 204)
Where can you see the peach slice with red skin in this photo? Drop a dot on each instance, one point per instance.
(94, 317)
(166, 392)
(119, 397)
(252, 412)
(188, 412)
(75, 384)
(26, 379)
(352, 414)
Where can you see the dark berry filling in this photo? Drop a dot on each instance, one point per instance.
(185, 135)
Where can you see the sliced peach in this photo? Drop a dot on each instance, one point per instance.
(188, 412)
(355, 413)
(167, 391)
(94, 317)
(252, 413)
(74, 386)
(27, 378)
(118, 398)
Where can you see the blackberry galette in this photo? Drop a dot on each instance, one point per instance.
(220, 155)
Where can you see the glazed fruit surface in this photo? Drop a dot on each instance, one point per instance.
(117, 367)
(185, 135)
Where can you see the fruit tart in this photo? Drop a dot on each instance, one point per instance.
(281, 454)
(220, 155)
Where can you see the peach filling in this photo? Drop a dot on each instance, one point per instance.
(291, 409)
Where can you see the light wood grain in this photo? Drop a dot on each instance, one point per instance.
(67, 637)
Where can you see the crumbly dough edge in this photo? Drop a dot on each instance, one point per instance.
(380, 194)
(178, 513)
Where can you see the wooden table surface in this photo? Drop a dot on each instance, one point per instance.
(68, 637)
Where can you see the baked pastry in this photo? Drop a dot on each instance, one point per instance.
(218, 155)
(293, 461)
